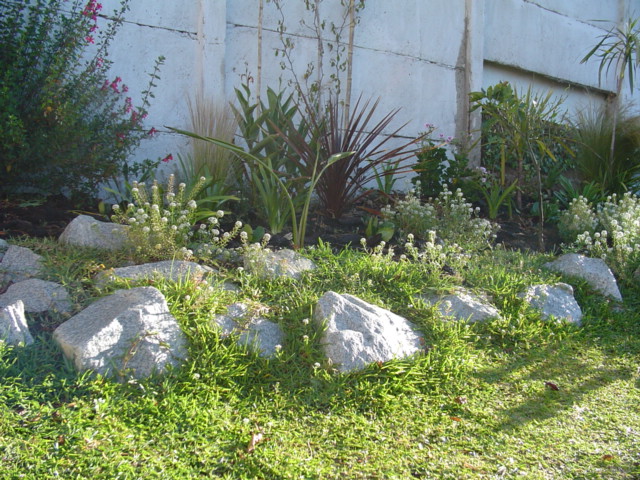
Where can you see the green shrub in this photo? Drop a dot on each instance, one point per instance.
(66, 125)
(454, 220)
(612, 171)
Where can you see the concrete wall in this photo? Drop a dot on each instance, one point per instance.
(417, 55)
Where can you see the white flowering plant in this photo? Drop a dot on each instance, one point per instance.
(163, 223)
(611, 231)
(455, 220)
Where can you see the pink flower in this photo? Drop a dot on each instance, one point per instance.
(152, 132)
(168, 158)
(125, 89)
(114, 84)
(89, 39)
(128, 106)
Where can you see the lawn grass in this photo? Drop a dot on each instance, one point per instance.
(510, 398)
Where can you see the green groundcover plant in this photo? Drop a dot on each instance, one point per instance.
(515, 397)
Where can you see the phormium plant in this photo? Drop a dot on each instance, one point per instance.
(332, 133)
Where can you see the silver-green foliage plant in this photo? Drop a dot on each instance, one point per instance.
(162, 224)
(449, 214)
(611, 231)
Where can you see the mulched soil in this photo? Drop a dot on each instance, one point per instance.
(48, 218)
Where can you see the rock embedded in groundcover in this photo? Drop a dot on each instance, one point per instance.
(13, 324)
(86, 231)
(38, 296)
(20, 263)
(358, 333)
(262, 336)
(554, 301)
(130, 333)
(463, 305)
(281, 263)
(594, 271)
(255, 332)
(175, 271)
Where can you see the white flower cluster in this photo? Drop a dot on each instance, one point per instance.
(578, 218)
(455, 220)
(212, 240)
(612, 232)
(163, 223)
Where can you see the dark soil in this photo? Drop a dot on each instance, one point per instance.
(49, 217)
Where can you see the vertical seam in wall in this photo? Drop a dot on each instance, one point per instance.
(201, 47)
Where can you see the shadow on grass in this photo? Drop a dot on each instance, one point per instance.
(556, 377)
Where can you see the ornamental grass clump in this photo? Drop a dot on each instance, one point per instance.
(449, 214)
(162, 224)
(611, 233)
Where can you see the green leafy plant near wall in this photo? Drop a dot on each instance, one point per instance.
(66, 124)
(612, 172)
(619, 47)
(526, 124)
(258, 124)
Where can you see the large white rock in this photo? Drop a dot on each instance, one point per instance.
(13, 325)
(281, 263)
(555, 301)
(358, 333)
(20, 263)
(594, 271)
(463, 305)
(86, 231)
(128, 333)
(175, 271)
(38, 296)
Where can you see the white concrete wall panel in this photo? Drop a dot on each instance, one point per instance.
(587, 11)
(518, 33)
(574, 99)
(417, 56)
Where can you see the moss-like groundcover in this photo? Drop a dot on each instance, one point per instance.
(511, 398)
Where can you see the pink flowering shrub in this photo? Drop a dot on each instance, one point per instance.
(66, 123)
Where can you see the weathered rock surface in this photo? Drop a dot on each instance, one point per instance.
(263, 336)
(282, 263)
(171, 270)
(464, 305)
(358, 333)
(20, 263)
(229, 322)
(3, 247)
(13, 324)
(128, 333)
(254, 332)
(86, 231)
(555, 301)
(38, 296)
(594, 271)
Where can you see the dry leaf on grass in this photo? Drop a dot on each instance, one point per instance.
(256, 438)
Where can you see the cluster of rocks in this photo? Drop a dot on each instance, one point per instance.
(131, 333)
